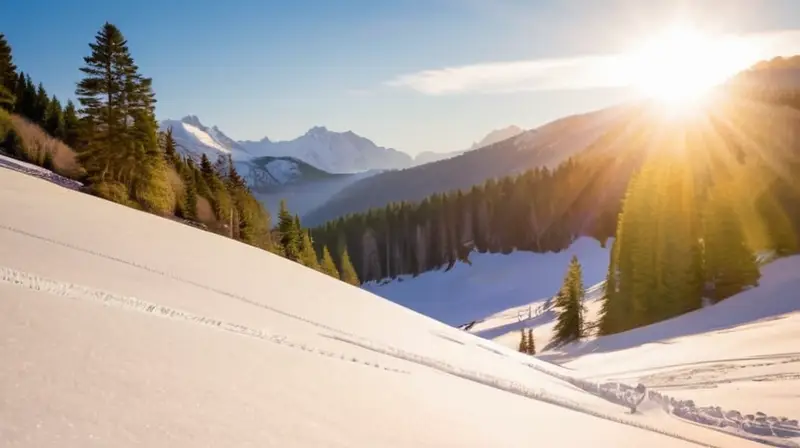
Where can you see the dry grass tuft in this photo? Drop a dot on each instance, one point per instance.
(37, 142)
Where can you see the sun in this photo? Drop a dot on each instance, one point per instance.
(681, 66)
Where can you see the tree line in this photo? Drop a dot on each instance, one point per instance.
(540, 210)
(126, 159)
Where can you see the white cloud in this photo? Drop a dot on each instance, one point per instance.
(582, 72)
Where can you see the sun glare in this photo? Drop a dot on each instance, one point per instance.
(681, 66)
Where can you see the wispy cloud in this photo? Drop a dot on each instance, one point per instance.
(497, 77)
(582, 72)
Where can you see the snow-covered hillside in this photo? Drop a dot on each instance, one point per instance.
(740, 354)
(111, 337)
(492, 283)
(335, 152)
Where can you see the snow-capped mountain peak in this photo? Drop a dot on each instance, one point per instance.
(334, 152)
(194, 139)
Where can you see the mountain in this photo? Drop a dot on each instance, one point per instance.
(303, 186)
(113, 335)
(194, 139)
(493, 137)
(496, 136)
(547, 146)
(334, 152)
(776, 74)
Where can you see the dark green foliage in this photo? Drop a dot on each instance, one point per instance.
(289, 234)
(523, 341)
(655, 270)
(71, 125)
(730, 266)
(54, 120)
(12, 145)
(526, 343)
(40, 105)
(8, 75)
(540, 210)
(569, 303)
(118, 107)
(531, 343)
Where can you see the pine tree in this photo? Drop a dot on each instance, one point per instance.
(523, 341)
(8, 75)
(41, 105)
(729, 265)
(327, 264)
(308, 257)
(348, 272)
(569, 301)
(71, 125)
(190, 199)
(289, 233)
(170, 147)
(54, 121)
(106, 94)
(531, 343)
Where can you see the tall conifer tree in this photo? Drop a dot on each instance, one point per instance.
(327, 264)
(348, 272)
(289, 233)
(71, 125)
(569, 302)
(8, 75)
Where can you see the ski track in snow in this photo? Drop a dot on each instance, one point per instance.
(78, 292)
(174, 277)
(767, 430)
(511, 386)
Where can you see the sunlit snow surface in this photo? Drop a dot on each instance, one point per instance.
(119, 328)
(742, 355)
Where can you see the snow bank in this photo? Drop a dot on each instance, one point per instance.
(37, 171)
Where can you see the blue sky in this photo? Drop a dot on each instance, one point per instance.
(409, 74)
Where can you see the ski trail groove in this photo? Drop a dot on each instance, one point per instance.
(176, 278)
(78, 292)
(505, 385)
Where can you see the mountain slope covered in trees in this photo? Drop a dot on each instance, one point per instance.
(546, 146)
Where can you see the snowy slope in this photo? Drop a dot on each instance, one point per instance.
(494, 282)
(335, 152)
(195, 340)
(740, 354)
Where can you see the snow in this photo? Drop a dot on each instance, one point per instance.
(334, 152)
(194, 139)
(37, 171)
(740, 355)
(204, 138)
(125, 329)
(494, 282)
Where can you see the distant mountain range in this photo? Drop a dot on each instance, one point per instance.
(333, 152)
